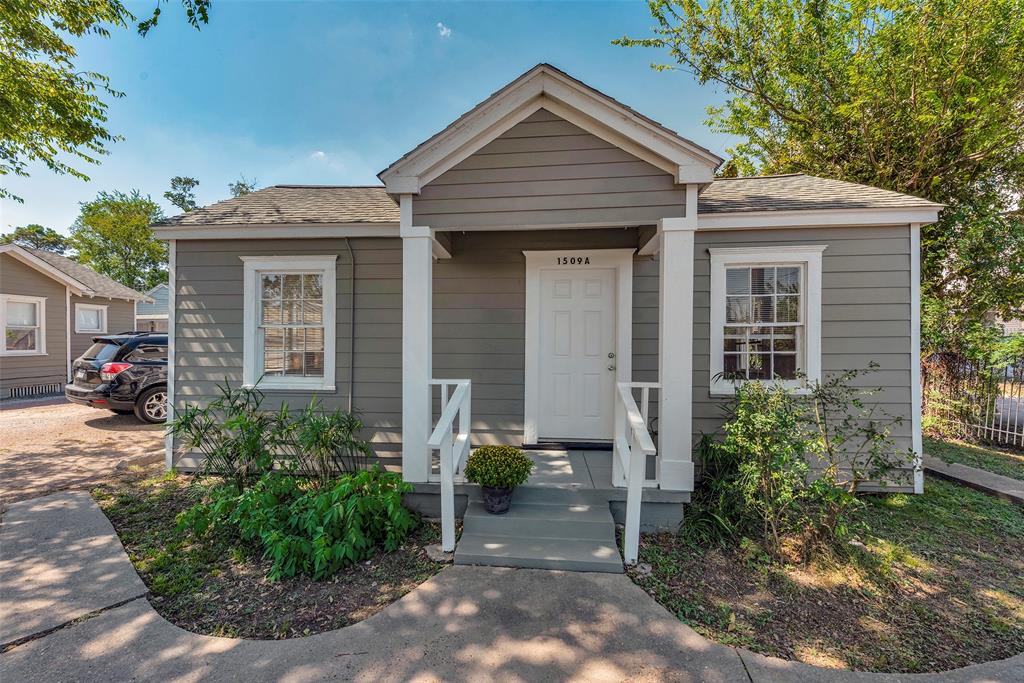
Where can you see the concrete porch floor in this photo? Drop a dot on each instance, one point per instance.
(573, 469)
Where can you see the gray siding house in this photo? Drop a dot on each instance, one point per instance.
(51, 308)
(552, 269)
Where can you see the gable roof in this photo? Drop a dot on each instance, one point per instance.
(799, 192)
(545, 86)
(296, 204)
(157, 305)
(81, 279)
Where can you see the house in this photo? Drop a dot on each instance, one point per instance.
(552, 269)
(51, 308)
(151, 316)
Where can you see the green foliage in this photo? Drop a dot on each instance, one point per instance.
(242, 441)
(501, 467)
(310, 530)
(918, 96)
(242, 186)
(787, 469)
(183, 193)
(112, 236)
(50, 109)
(36, 236)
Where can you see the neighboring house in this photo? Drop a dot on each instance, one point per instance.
(1011, 327)
(51, 307)
(558, 250)
(151, 316)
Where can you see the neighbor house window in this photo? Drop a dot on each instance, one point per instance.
(90, 318)
(23, 320)
(289, 322)
(765, 316)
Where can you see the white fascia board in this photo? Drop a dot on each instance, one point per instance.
(803, 218)
(291, 231)
(45, 268)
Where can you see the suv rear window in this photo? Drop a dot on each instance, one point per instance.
(149, 352)
(102, 351)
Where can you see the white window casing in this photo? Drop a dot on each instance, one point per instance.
(805, 259)
(279, 327)
(24, 325)
(90, 319)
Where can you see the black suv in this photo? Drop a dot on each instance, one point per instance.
(125, 372)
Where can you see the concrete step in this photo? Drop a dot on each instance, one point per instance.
(535, 520)
(539, 553)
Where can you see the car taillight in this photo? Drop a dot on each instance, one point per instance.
(111, 370)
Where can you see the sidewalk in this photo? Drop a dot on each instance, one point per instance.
(465, 624)
(987, 482)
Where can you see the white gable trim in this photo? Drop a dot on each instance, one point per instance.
(45, 268)
(546, 87)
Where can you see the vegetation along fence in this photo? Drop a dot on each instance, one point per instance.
(964, 400)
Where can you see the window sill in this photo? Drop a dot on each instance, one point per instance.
(290, 386)
(729, 388)
(77, 331)
(23, 353)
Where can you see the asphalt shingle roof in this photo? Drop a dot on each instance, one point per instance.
(292, 204)
(799, 192)
(101, 285)
(313, 204)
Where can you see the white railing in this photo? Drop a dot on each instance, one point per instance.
(633, 444)
(453, 449)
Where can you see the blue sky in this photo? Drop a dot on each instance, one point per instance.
(332, 92)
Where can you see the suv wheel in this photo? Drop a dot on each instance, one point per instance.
(151, 406)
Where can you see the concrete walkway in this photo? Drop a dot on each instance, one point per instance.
(981, 480)
(465, 624)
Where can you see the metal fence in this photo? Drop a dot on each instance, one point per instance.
(966, 401)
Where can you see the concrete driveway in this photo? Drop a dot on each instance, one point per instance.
(52, 445)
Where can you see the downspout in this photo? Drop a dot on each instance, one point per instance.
(352, 321)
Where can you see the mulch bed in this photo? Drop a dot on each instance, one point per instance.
(219, 586)
(937, 584)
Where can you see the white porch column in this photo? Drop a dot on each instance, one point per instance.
(417, 302)
(675, 349)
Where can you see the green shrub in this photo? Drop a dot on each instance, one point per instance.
(500, 467)
(308, 529)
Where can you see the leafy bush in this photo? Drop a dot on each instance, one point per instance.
(307, 529)
(500, 467)
(242, 441)
(758, 481)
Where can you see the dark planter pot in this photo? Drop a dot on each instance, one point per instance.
(496, 501)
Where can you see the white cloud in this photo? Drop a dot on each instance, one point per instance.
(443, 31)
(318, 155)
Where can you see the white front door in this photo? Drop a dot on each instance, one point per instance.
(576, 352)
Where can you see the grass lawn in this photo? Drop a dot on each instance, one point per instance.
(218, 586)
(937, 584)
(1004, 462)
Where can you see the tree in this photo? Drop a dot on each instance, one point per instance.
(113, 237)
(242, 186)
(182, 193)
(50, 110)
(37, 237)
(918, 96)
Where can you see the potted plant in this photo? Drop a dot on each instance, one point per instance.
(498, 470)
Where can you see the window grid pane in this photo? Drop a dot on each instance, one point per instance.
(763, 322)
(291, 321)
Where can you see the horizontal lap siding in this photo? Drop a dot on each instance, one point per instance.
(120, 318)
(208, 327)
(547, 171)
(16, 371)
(480, 318)
(865, 312)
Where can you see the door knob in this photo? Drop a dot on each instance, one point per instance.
(611, 367)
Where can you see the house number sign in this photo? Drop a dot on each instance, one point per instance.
(573, 260)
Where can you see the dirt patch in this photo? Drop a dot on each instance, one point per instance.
(937, 584)
(55, 445)
(218, 587)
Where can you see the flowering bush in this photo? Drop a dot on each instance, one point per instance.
(500, 467)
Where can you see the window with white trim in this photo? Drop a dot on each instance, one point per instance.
(23, 319)
(90, 319)
(289, 322)
(765, 316)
